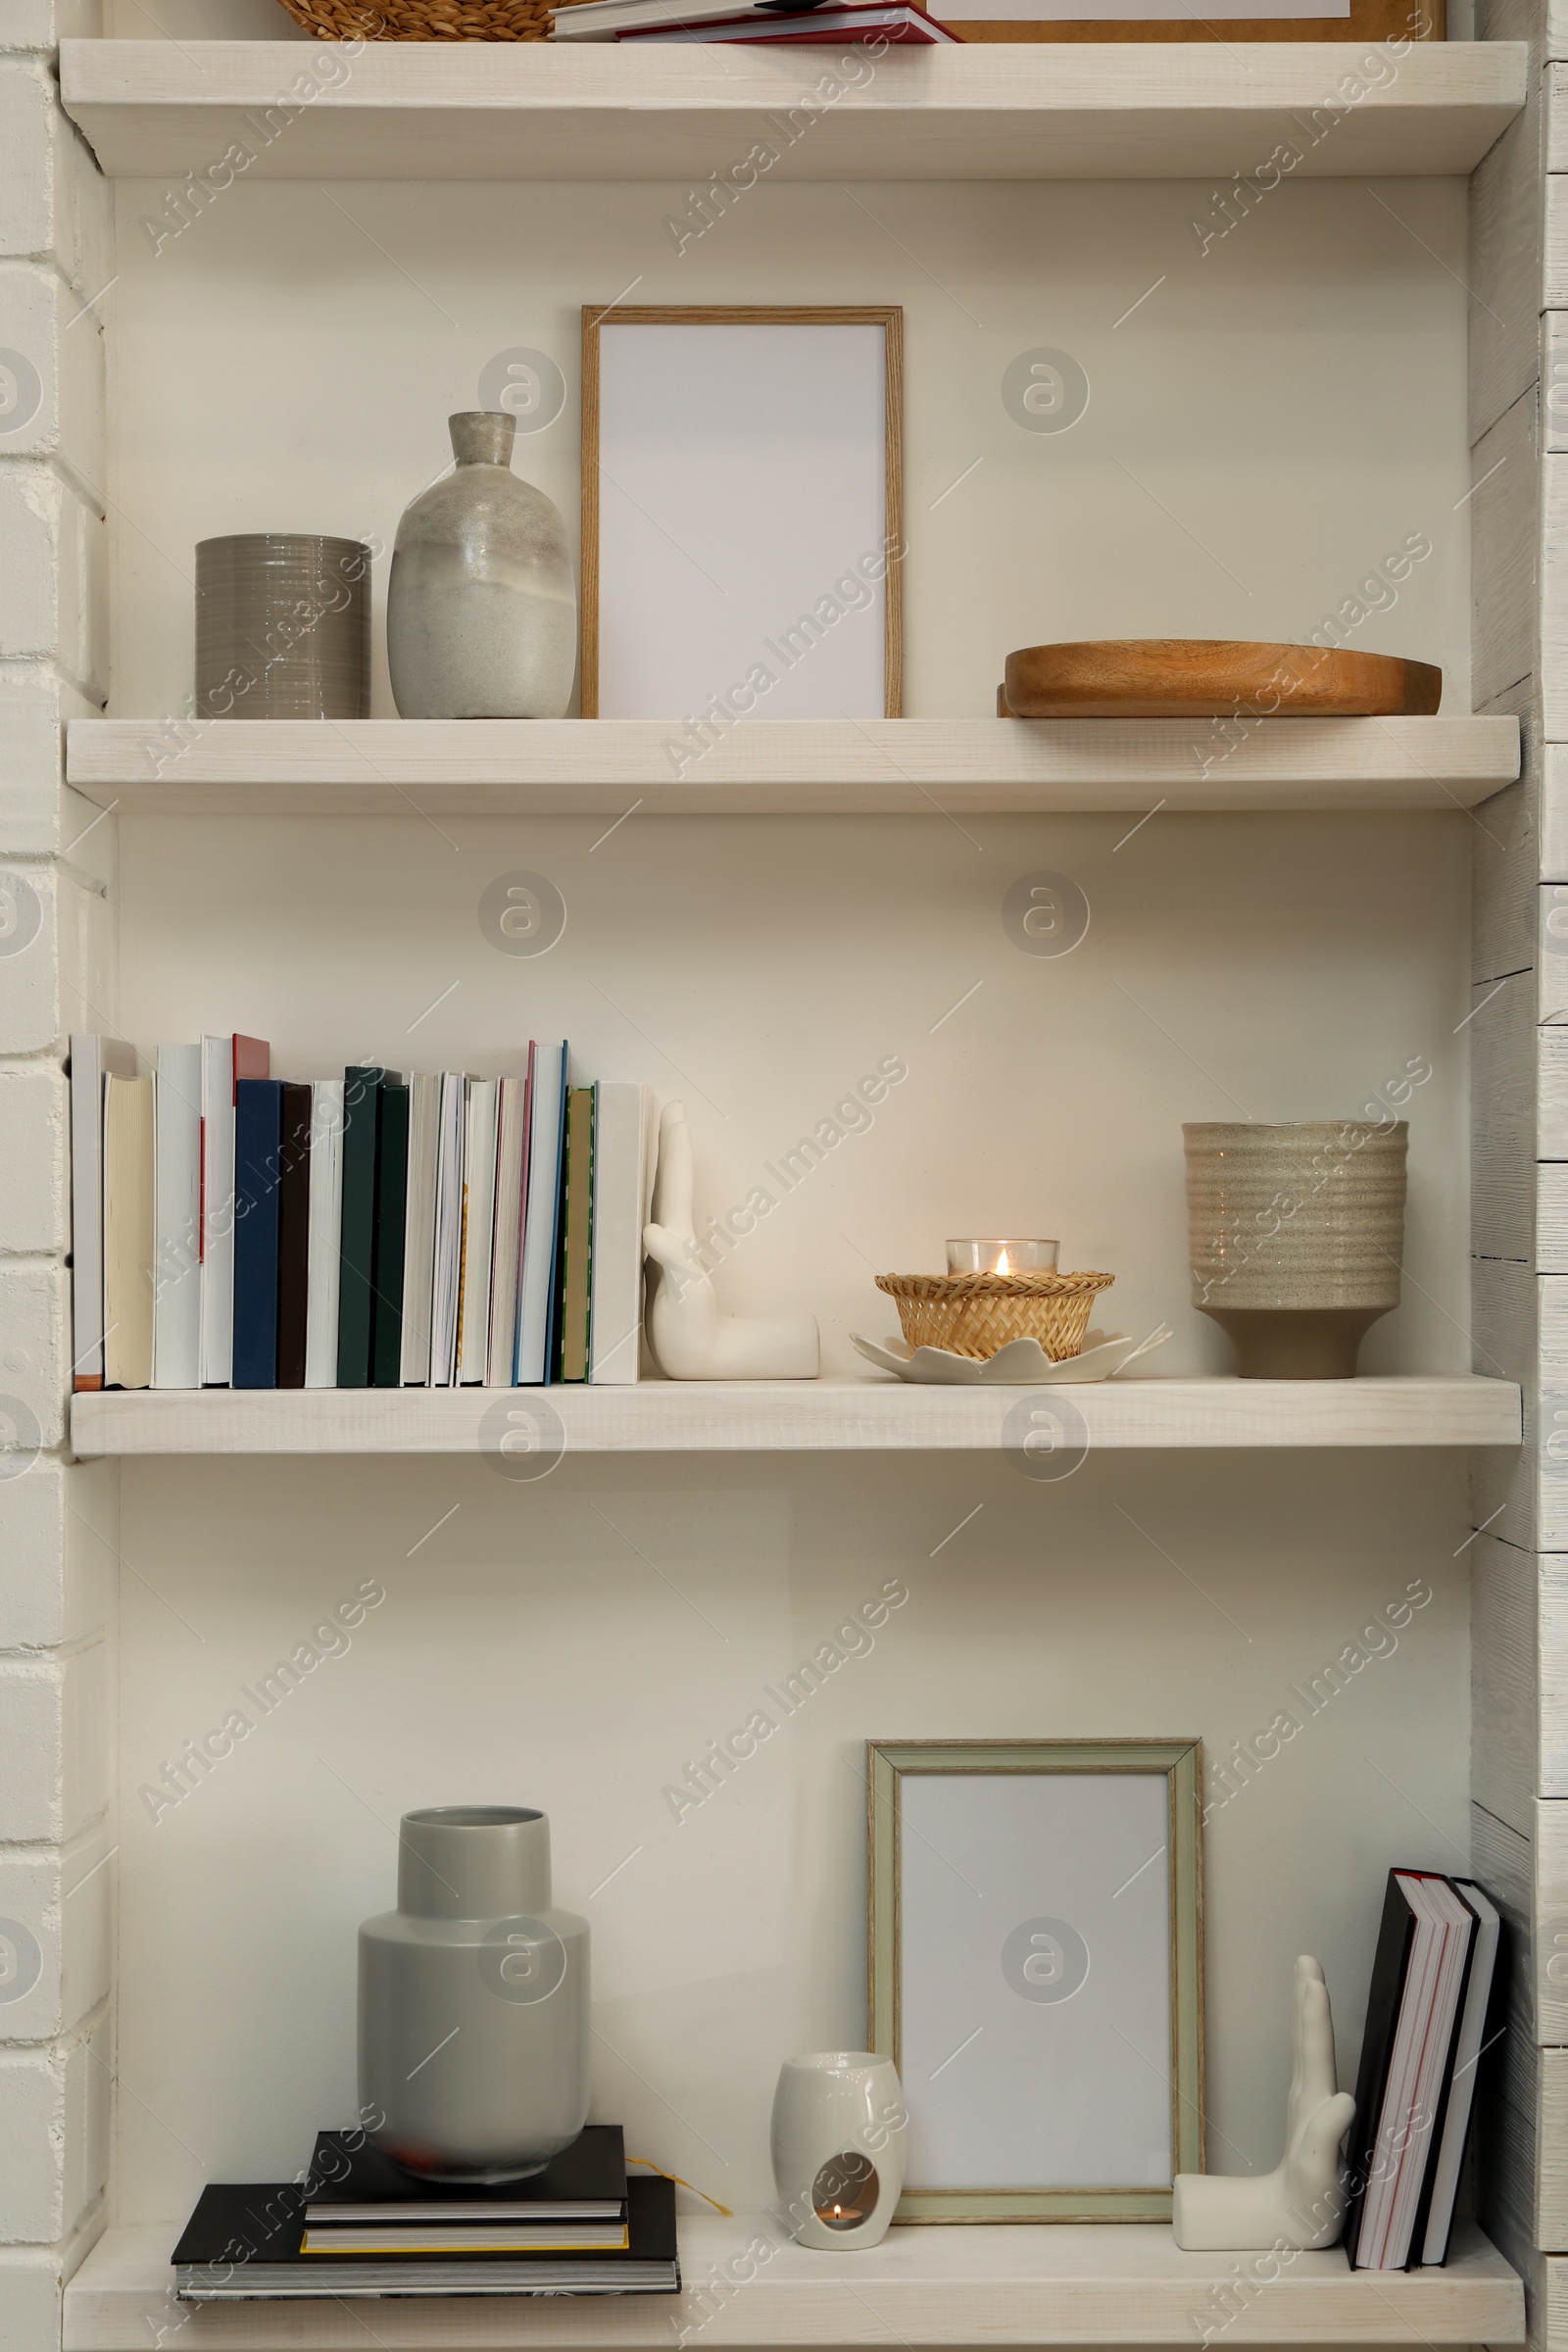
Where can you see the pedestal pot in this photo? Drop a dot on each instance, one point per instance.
(474, 2001)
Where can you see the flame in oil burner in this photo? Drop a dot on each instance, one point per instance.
(1002, 1266)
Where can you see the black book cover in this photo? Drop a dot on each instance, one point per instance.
(362, 1093)
(258, 1118)
(391, 1216)
(237, 2224)
(346, 2170)
(1389, 1966)
(293, 1234)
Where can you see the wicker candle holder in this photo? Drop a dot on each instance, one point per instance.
(975, 1314)
(422, 20)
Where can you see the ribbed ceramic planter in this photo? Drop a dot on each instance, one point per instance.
(282, 626)
(474, 2001)
(1295, 1236)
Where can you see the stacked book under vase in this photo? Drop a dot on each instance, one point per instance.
(359, 2226)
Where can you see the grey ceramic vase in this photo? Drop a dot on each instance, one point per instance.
(481, 608)
(474, 2001)
(1296, 1235)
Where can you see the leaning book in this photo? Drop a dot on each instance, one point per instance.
(243, 2244)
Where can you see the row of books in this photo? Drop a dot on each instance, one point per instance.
(358, 2225)
(1426, 2030)
(838, 23)
(235, 1230)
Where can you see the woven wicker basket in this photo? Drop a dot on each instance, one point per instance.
(423, 20)
(975, 1314)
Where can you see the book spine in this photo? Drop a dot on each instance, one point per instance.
(391, 1215)
(258, 1125)
(362, 1089)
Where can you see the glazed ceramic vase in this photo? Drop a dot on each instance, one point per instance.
(474, 2001)
(839, 2127)
(1295, 1236)
(481, 608)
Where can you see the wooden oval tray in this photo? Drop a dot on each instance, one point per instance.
(1198, 677)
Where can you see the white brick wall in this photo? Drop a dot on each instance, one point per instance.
(58, 1530)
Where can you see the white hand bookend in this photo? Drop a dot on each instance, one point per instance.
(690, 1338)
(1302, 2202)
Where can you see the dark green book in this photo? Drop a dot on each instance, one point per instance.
(391, 1215)
(361, 1104)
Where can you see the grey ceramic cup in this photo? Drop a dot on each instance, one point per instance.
(282, 626)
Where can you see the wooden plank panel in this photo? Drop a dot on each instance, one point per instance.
(1505, 851)
(1506, 206)
(1502, 1325)
(743, 2286)
(595, 767)
(1551, 1093)
(1504, 532)
(772, 1416)
(1503, 1117)
(587, 110)
(1505, 1703)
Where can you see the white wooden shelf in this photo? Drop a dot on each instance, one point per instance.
(579, 111)
(840, 1416)
(899, 766)
(1015, 2285)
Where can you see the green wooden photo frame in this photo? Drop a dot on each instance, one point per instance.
(1173, 1927)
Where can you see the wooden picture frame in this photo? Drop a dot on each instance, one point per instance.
(967, 1956)
(601, 321)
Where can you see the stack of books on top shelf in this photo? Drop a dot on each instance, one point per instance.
(234, 1230)
(838, 23)
(358, 2225)
(1426, 2031)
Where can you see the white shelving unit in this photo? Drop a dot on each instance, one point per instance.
(838, 1416)
(1013, 2286)
(588, 111)
(885, 767)
(164, 111)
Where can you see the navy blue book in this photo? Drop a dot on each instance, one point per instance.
(258, 1137)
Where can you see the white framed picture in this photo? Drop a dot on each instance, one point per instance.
(1034, 1942)
(742, 526)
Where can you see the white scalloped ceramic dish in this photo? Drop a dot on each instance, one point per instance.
(1021, 1364)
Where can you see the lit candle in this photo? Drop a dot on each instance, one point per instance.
(1001, 1257)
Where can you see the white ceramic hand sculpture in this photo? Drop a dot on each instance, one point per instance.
(1302, 2202)
(689, 1337)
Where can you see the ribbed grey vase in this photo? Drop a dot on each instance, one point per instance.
(1296, 1235)
(474, 2001)
(482, 607)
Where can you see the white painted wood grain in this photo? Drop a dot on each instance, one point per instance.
(595, 767)
(1506, 205)
(1554, 813)
(1551, 1093)
(1551, 2151)
(772, 1416)
(1503, 1308)
(1505, 850)
(1550, 1417)
(1551, 1217)
(1504, 533)
(583, 110)
(1554, 380)
(1503, 1117)
(999, 2286)
(1504, 1702)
